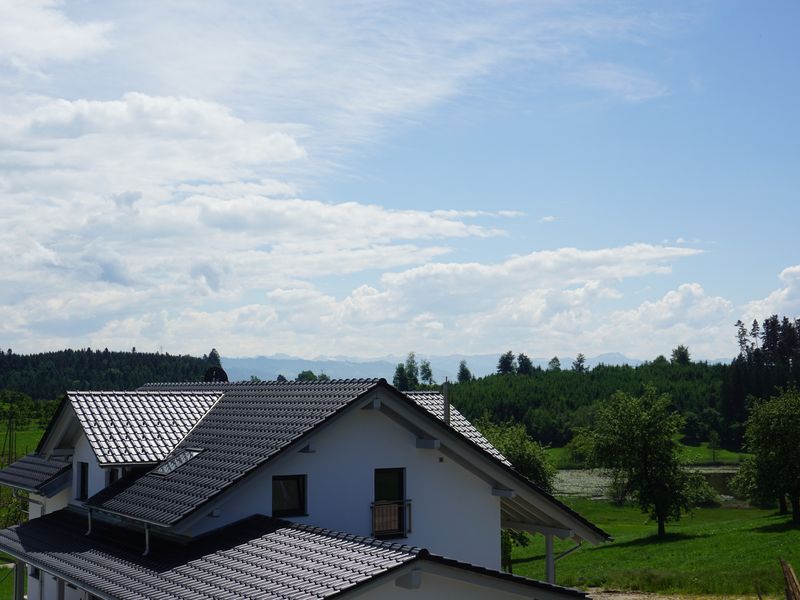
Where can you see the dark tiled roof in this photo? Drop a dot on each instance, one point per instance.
(250, 424)
(433, 402)
(138, 427)
(33, 473)
(257, 558)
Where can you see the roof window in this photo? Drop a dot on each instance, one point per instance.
(175, 460)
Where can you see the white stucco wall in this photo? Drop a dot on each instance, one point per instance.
(453, 511)
(97, 476)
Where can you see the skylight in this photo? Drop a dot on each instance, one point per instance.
(175, 460)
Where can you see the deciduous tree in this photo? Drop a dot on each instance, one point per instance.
(772, 435)
(633, 437)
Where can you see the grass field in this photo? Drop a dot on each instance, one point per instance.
(714, 551)
(7, 584)
(26, 440)
(700, 454)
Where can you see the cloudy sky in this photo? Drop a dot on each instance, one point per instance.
(365, 178)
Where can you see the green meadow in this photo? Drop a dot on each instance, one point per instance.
(714, 551)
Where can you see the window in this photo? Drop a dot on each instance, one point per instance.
(83, 480)
(33, 572)
(289, 495)
(112, 476)
(176, 459)
(391, 512)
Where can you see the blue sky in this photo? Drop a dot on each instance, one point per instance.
(369, 178)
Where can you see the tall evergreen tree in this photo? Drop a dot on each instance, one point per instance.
(400, 379)
(524, 364)
(505, 364)
(579, 364)
(680, 356)
(464, 374)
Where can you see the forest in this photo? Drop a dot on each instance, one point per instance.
(717, 398)
(46, 376)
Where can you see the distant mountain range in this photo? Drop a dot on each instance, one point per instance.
(348, 367)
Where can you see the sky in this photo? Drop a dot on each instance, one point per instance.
(369, 178)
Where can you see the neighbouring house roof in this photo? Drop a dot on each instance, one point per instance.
(33, 473)
(260, 557)
(138, 427)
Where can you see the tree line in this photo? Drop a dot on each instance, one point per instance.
(714, 400)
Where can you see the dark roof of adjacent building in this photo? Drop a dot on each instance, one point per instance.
(139, 427)
(250, 424)
(260, 557)
(433, 402)
(34, 473)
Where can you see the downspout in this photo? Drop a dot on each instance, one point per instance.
(89, 518)
(146, 539)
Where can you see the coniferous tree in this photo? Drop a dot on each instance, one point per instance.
(400, 380)
(524, 364)
(505, 364)
(579, 364)
(464, 374)
(680, 356)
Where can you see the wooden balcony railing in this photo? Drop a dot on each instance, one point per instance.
(391, 518)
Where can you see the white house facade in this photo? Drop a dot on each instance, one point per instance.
(346, 488)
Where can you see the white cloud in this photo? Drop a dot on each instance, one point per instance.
(34, 33)
(547, 219)
(783, 301)
(686, 315)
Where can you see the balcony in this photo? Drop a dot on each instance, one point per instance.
(391, 518)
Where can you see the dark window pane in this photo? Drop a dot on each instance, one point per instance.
(288, 495)
(388, 484)
(83, 481)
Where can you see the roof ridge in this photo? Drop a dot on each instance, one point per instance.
(271, 382)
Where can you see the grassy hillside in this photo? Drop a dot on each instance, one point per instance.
(715, 551)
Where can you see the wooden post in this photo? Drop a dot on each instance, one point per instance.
(19, 580)
(792, 585)
(550, 559)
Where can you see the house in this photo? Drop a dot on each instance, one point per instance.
(345, 488)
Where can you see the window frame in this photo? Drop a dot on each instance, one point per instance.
(300, 511)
